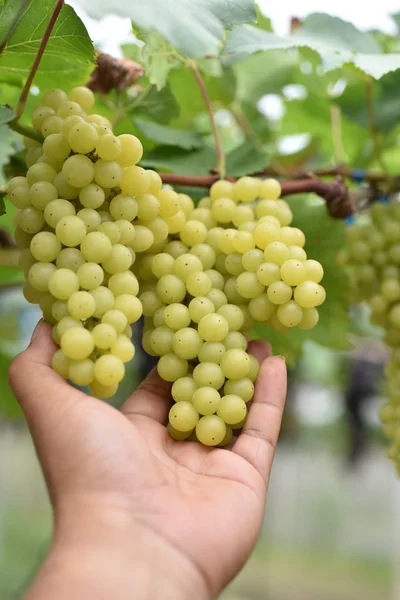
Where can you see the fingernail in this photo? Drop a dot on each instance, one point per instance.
(36, 331)
(282, 357)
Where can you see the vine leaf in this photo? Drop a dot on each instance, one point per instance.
(168, 135)
(195, 27)
(6, 115)
(7, 137)
(336, 41)
(69, 56)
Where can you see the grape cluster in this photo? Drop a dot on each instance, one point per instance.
(234, 260)
(372, 262)
(105, 243)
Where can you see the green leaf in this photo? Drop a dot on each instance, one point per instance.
(176, 160)
(194, 27)
(158, 105)
(6, 115)
(69, 56)
(336, 41)
(6, 149)
(157, 58)
(169, 136)
(245, 159)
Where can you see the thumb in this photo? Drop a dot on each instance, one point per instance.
(36, 386)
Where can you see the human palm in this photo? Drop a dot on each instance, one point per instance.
(205, 503)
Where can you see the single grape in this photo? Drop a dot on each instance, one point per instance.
(45, 247)
(232, 409)
(109, 369)
(171, 367)
(208, 374)
(235, 363)
(77, 343)
(183, 416)
(60, 363)
(81, 372)
(81, 305)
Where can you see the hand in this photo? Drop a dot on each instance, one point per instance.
(122, 489)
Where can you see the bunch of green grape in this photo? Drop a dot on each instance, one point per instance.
(235, 260)
(372, 261)
(104, 242)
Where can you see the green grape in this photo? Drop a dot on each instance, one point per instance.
(41, 193)
(59, 310)
(30, 220)
(148, 207)
(135, 181)
(70, 258)
(183, 389)
(193, 232)
(183, 416)
(143, 239)
(186, 265)
(294, 272)
(254, 368)
(119, 260)
(70, 231)
(123, 348)
(248, 285)
(199, 307)
(171, 289)
(246, 189)
(103, 391)
(233, 264)
(221, 189)
(90, 218)
(175, 248)
(31, 294)
(67, 323)
(243, 242)
(232, 409)
(270, 189)
(289, 314)
(235, 363)
(280, 292)
(162, 264)
(314, 270)
(91, 196)
(126, 231)
(83, 96)
(211, 430)
(116, 318)
(218, 298)
(242, 214)
(158, 227)
(268, 273)
(261, 308)
(217, 279)
(158, 318)
(108, 369)
(39, 275)
(56, 210)
(276, 252)
(211, 352)
(108, 174)
(310, 318)
(78, 171)
(39, 115)
(208, 374)
(124, 207)
(394, 315)
(206, 400)
(161, 340)
(206, 254)
(235, 339)
(60, 363)
(96, 247)
(26, 260)
(292, 236)
(90, 276)
(213, 327)
(63, 283)
(69, 108)
(56, 147)
(168, 203)
(22, 239)
(244, 388)
(104, 300)
(81, 372)
(130, 306)
(309, 294)
(77, 343)
(186, 204)
(198, 284)
(171, 367)
(222, 209)
(297, 253)
(19, 196)
(82, 138)
(186, 343)
(177, 316)
(265, 233)
(252, 260)
(45, 246)
(150, 303)
(51, 125)
(81, 305)
(64, 189)
(131, 150)
(178, 435)
(123, 283)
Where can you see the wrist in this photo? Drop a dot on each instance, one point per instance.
(107, 555)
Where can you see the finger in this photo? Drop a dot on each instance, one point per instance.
(36, 386)
(258, 439)
(152, 399)
(260, 349)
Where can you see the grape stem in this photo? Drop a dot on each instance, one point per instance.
(207, 101)
(336, 132)
(26, 131)
(46, 36)
(334, 193)
(372, 123)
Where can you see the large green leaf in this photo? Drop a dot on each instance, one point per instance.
(194, 27)
(245, 159)
(337, 42)
(168, 135)
(198, 162)
(69, 55)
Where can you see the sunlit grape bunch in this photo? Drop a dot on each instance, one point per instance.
(372, 261)
(104, 242)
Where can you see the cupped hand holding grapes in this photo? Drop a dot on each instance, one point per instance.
(134, 509)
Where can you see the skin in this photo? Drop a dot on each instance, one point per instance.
(137, 514)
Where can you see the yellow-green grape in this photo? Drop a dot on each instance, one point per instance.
(270, 189)
(183, 389)
(261, 308)
(235, 339)
(254, 368)
(161, 340)
(162, 264)
(294, 272)
(56, 210)
(30, 220)
(65, 190)
(119, 260)
(108, 369)
(171, 367)
(103, 391)
(243, 242)
(54, 98)
(186, 343)
(232, 409)
(135, 181)
(297, 253)
(123, 206)
(206, 400)
(206, 254)
(78, 171)
(183, 416)
(90, 218)
(19, 195)
(67, 323)
(131, 150)
(199, 307)
(186, 265)
(45, 246)
(60, 363)
(92, 196)
(211, 430)
(59, 309)
(81, 372)
(41, 193)
(70, 258)
(39, 115)
(177, 316)
(124, 283)
(52, 125)
(148, 207)
(123, 348)
(217, 279)
(309, 294)
(246, 189)
(108, 147)
(90, 276)
(248, 285)
(234, 316)
(150, 303)
(314, 270)
(116, 318)
(289, 314)
(130, 306)
(276, 252)
(178, 435)
(244, 388)
(211, 352)
(77, 343)
(126, 232)
(280, 292)
(193, 232)
(221, 189)
(235, 364)
(81, 305)
(213, 327)
(104, 300)
(56, 147)
(70, 231)
(268, 273)
(63, 283)
(171, 289)
(233, 264)
(198, 284)
(208, 374)
(310, 318)
(168, 203)
(96, 247)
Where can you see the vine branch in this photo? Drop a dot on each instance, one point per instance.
(46, 36)
(218, 143)
(336, 132)
(372, 123)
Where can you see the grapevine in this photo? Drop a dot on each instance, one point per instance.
(105, 242)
